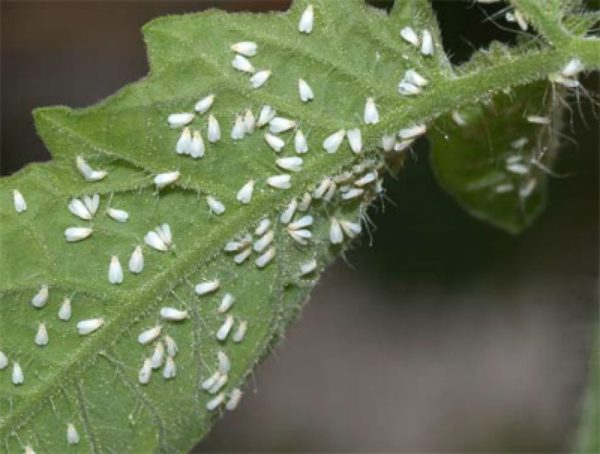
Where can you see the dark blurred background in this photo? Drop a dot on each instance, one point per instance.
(442, 334)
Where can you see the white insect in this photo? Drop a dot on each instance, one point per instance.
(215, 206)
(87, 172)
(239, 130)
(242, 256)
(136, 261)
(408, 89)
(210, 381)
(41, 297)
(214, 130)
(367, 179)
(149, 335)
(240, 332)
(204, 288)
(413, 77)
(115, 272)
(308, 267)
(177, 120)
(226, 303)
(572, 68)
(215, 403)
(170, 370)
(458, 118)
(412, 132)
(184, 142)
(276, 143)
(204, 104)
(89, 326)
(300, 143)
(521, 22)
(280, 181)
(320, 190)
(267, 113)
(302, 223)
(388, 142)
(172, 314)
(304, 204)
(260, 78)
(288, 213)
(19, 201)
(171, 345)
(519, 143)
(235, 246)
(355, 140)
(293, 164)
(403, 145)
(234, 399)
(517, 168)
(352, 194)
(427, 43)
(92, 203)
(155, 241)
(330, 192)
(307, 20)
(333, 142)
(305, 91)
(246, 48)
(264, 241)
(249, 121)
(164, 179)
(78, 208)
(301, 236)
(17, 376)
(410, 36)
(197, 146)
(41, 337)
(145, 372)
(244, 195)
(118, 215)
(242, 64)
(225, 328)
(265, 259)
(279, 124)
(218, 385)
(3, 360)
(224, 362)
(371, 115)
(336, 236)
(351, 229)
(72, 435)
(537, 119)
(158, 355)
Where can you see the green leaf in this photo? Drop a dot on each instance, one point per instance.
(91, 381)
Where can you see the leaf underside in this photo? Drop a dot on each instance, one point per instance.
(353, 53)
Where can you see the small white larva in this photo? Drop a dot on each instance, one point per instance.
(115, 271)
(244, 195)
(279, 124)
(371, 115)
(164, 179)
(264, 241)
(215, 206)
(19, 201)
(204, 288)
(172, 314)
(74, 234)
(408, 89)
(267, 113)
(538, 119)
(170, 370)
(276, 143)
(427, 43)
(177, 120)
(240, 332)
(224, 362)
(153, 240)
(280, 181)
(118, 215)
(262, 227)
(145, 372)
(171, 345)
(351, 229)
(413, 77)
(41, 336)
(197, 146)
(216, 402)
(307, 20)
(210, 381)
(214, 130)
(336, 236)
(301, 236)
(41, 297)
(158, 355)
(78, 208)
(239, 130)
(412, 131)
(320, 190)
(355, 140)
(136, 261)
(3, 360)
(333, 142)
(305, 91)
(302, 223)
(87, 172)
(249, 121)
(89, 326)
(242, 64)
(308, 267)
(225, 328)
(242, 256)
(204, 104)
(184, 142)
(304, 204)
(17, 376)
(288, 213)
(352, 194)
(218, 385)
(245, 48)
(226, 303)
(366, 179)
(260, 78)
(300, 143)
(410, 36)
(265, 258)
(234, 399)
(293, 163)
(149, 335)
(72, 435)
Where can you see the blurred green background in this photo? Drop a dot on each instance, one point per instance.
(436, 333)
